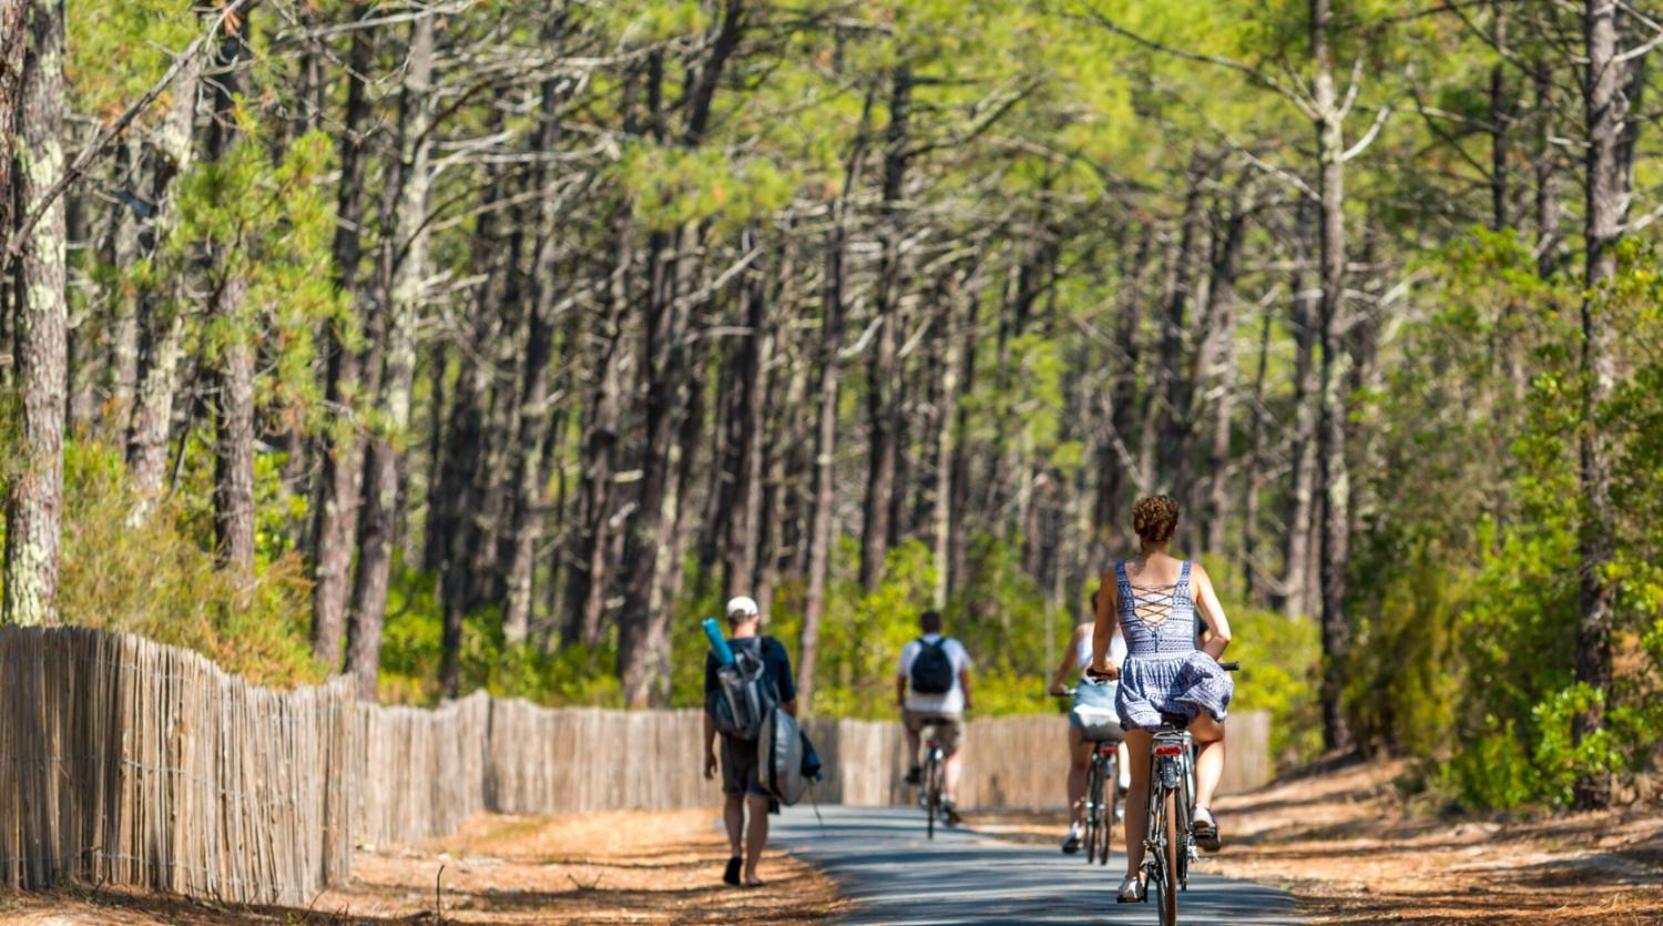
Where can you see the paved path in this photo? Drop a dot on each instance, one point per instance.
(881, 859)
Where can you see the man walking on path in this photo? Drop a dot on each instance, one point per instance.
(933, 685)
(741, 782)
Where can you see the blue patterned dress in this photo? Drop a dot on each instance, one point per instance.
(1164, 672)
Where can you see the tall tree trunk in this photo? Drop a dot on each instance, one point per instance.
(1252, 480)
(233, 370)
(643, 632)
(1546, 171)
(744, 530)
(341, 481)
(822, 511)
(882, 407)
(589, 585)
(1606, 114)
(1176, 426)
(1117, 469)
(162, 325)
(1331, 425)
(404, 264)
(1293, 595)
(1501, 122)
(35, 504)
(1219, 370)
(946, 426)
(124, 249)
(14, 32)
(533, 419)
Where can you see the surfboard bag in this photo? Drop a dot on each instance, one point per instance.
(789, 762)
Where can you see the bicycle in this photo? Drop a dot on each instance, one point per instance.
(934, 776)
(1102, 778)
(1170, 845)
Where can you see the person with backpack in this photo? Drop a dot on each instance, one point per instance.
(739, 698)
(933, 686)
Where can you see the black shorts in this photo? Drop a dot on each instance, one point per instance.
(741, 771)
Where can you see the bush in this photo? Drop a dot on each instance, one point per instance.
(151, 577)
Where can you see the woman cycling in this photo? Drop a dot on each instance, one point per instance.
(1153, 599)
(1091, 700)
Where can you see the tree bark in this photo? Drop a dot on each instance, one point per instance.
(404, 263)
(341, 481)
(590, 583)
(752, 406)
(882, 405)
(14, 32)
(1332, 482)
(822, 512)
(1293, 596)
(35, 504)
(643, 632)
(233, 367)
(161, 325)
(1605, 114)
(533, 419)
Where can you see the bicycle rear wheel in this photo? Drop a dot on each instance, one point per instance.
(1094, 791)
(1171, 849)
(1109, 785)
(932, 794)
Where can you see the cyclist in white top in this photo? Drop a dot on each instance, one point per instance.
(1076, 658)
(932, 684)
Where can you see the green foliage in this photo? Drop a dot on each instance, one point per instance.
(411, 652)
(1467, 582)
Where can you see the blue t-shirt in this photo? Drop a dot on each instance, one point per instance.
(775, 661)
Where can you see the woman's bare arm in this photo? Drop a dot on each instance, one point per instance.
(1069, 659)
(1103, 631)
(1212, 612)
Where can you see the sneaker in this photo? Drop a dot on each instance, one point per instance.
(915, 775)
(1071, 842)
(1206, 830)
(951, 811)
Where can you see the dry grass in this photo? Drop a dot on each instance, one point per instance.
(621, 867)
(1355, 855)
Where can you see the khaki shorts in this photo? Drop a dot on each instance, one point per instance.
(949, 732)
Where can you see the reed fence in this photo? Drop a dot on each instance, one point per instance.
(126, 762)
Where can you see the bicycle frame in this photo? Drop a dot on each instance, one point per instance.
(1100, 797)
(1171, 771)
(935, 758)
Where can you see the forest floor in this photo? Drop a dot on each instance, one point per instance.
(505, 871)
(1352, 852)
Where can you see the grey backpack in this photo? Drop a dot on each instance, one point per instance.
(745, 696)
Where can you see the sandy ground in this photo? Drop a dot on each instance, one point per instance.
(1354, 853)
(506, 871)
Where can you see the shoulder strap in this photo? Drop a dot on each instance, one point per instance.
(1184, 578)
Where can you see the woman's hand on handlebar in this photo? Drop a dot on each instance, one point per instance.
(1105, 670)
(1057, 690)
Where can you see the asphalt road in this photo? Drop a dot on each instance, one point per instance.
(881, 859)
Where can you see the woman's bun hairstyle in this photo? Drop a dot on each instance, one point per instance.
(1155, 518)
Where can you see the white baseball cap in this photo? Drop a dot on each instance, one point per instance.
(743, 605)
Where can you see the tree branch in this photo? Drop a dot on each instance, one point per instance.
(114, 130)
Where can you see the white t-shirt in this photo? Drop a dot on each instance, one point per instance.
(951, 702)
